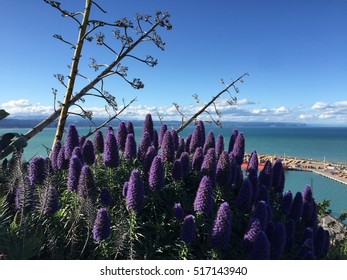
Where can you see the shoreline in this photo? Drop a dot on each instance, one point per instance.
(332, 170)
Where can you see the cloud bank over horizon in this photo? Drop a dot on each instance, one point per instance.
(244, 110)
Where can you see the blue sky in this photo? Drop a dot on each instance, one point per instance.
(294, 52)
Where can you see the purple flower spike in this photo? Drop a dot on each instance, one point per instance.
(148, 126)
(54, 155)
(188, 140)
(203, 199)
(78, 153)
(202, 131)
(319, 242)
(219, 145)
(223, 171)
(177, 170)
(308, 203)
(239, 148)
(75, 168)
(150, 155)
(37, 170)
(145, 143)
(209, 164)
(209, 142)
(82, 139)
(111, 152)
(232, 140)
(98, 142)
(250, 236)
(278, 177)
(244, 196)
(253, 162)
(102, 225)
(156, 174)
(105, 197)
(198, 158)
(86, 184)
(278, 241)
(297, 207)
(155, 141)
(125, 189)
(175, 138)
(130, 147)
(88, 152)
(261, 213)
(71, 141)
(121, 135)
(167, 152)
(50, 203)
(130, 128)
(221, 228)
(290, 233)
(185, 161)
(188, 231)
(135, 199)
(24, 198)
(178, 211)
(196, 140)
(62, 161)
(286, 203)
(163, 129)
(263, 194)
(261, 247)
(306, 248)
(181, 147)
(265, 176)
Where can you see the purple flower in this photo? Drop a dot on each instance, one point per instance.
(278, 241)
(135, 199)
(181, 147)
(24, 198)
(163, 129)
(286, 203)
(306, 248)
(308, 233)
(290, 233)
(88, 152)
(307, 203)
(253, 163)
(82, 139)
(78, 153)
(130, 128)
(86, 184)
(75, 168)
(188, 140)
(102, 225)
(185, 161)
(261, 247)
(319, 242)
(261, 213)
(37, 170)
(209, 164)
(71, 141)
(233, 137)
(105, 197)
(250, 236)
(156, 174)
(210, 142)
(178, 211)
(223, 171)
(219, 145)
(203, 199)
(200, 123)
(130, 147)
(263, 194)
(297, 207)
(148, 126)
(50, 203)
(198, 158)
(111, 152)
(278, 176)
(312, 222)
(177, 170)
(175, 138)
(150, 155)
(155, 141)
(62, 161)
(125, 189)
(121, 135)
(167, 152)
(145, 143)
(244, 197)
(55, 153)
(221, 228)
(265, 176)
(196, 140)
(98, 142)
(239, 148)
(188, 231)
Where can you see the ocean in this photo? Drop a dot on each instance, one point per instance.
(302, 142)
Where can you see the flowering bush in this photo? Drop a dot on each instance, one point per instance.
(170, 198)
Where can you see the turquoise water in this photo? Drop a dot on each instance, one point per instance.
(303, 142)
